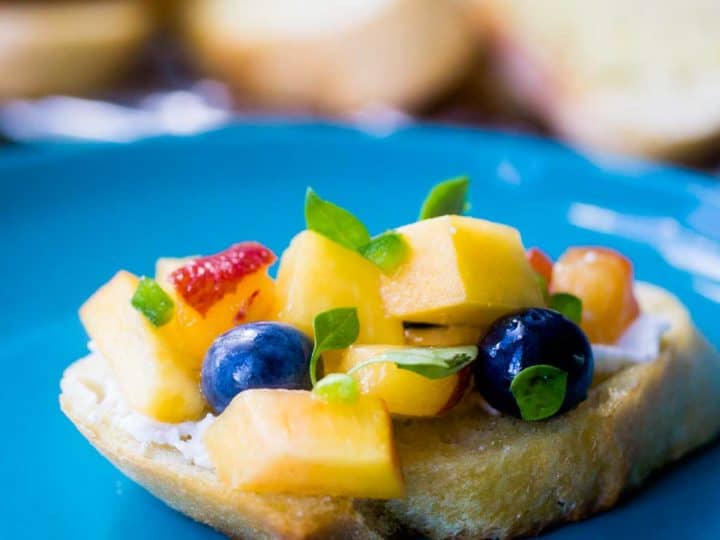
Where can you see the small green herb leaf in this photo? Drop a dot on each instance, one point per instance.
(334, 222)
(430, 362)
(539, 391)
(567, 304)
(334, 329)
(387, 251)
(153, 302)
(448, 197)
(337, 387)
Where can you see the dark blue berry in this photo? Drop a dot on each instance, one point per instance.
(255, 355)
(527, 338)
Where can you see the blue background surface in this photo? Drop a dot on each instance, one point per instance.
(71, 216)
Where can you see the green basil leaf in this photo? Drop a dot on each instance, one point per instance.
(448, 197)
(152, 301)
(430, 362)
(334, 222)
(387, 251)
(338, 387)
(567, 304)
(334, 329)
(539, 391)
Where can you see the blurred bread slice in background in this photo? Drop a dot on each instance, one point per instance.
(639, 77)
(72, 47)
(333, 56)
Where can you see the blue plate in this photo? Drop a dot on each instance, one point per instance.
(70, 218)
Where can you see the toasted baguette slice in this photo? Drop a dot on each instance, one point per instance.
(637, 78)
(469, 474)
(330, 55)
(68, 47)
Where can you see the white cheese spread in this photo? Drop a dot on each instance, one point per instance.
(639, 344)
(185, 437)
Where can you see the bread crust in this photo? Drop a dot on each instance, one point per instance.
(196, 491)
(469, 474)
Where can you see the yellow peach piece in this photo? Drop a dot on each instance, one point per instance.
(317, 274)
(460, 270)
(405, 393)
(148, 370)
(443, 336)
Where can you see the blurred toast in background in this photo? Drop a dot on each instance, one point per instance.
(72, 47)
(640, 77)
(333, 56)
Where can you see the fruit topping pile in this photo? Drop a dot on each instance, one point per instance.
(357, 329)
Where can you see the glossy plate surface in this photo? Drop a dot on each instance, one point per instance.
(70, 218)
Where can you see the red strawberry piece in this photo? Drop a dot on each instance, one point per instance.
(207, 279)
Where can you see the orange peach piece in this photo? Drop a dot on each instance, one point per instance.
(290, 441)
(603, 279)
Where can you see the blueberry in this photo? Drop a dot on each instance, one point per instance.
(528, 338)
(255, 355)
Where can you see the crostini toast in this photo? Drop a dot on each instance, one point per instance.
(68, 47)
(636, 78)
(469, 474)
(332, 56)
